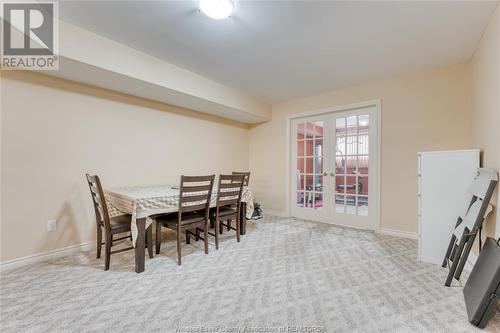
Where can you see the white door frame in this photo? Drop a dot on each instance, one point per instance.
(377, 105)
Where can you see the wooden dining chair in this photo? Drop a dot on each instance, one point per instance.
(246, 174)
(227, 209)
(112, 226)
(194, 208)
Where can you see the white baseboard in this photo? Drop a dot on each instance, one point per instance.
(274, 212)
(399, 233)
(36, 258)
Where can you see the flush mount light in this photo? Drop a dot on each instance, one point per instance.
(216, 9)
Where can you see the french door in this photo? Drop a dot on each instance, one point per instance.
(333, 168)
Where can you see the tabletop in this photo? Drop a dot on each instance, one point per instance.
(144, 201)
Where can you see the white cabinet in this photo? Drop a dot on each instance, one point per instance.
(443, 181)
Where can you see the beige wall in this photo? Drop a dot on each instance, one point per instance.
(54, 131)
(486, 105)
(420, 112)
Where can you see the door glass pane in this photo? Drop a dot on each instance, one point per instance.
(340, 158)
(318, 183)
(350, 185)
(318, 165)
(339, 166)
(309, 130)
(350, 204)
(352, 125)
(363, 164)
(340, 184)
(350, 165)
(309, 182)
(340, 126)
(318, 147)
(363, 205)
(340, 145)
(352, 145)
(318, 200)
(300, 148)
(340, 149)
(318, 129)
(309, 164)
(363, 185)
(363, 144)
(300, 182)
(300, 131)
(339, 204)
(308, 200)
(309, 147)
(300, 199)
(363, 123)
(300, 165)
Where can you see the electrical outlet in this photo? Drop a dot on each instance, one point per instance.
(51, 225)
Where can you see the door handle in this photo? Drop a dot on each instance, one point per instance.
(325, 173)
(332, 174)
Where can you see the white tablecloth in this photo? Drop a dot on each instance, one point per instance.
(144, 201)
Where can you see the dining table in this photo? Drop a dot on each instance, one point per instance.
(144, 202)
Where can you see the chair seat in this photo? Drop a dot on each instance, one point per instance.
(225, 211)
(120, 223)
(187, 218)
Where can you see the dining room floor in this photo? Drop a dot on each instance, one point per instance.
(285, 272)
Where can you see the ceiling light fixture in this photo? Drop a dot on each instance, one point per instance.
(216, 9)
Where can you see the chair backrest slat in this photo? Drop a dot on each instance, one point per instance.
(197, 188)
(99, 201)
(246, 174)
(229, 185)
(194, 179)
(194, 198)
(195, 194)
(232, 193)
(192, 208)
(229, 202)
(229, 190)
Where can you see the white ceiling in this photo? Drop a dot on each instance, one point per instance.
(279, 50)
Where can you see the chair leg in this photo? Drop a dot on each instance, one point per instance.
(108, 253)
(99, 241)
(237, 229)
(456, 257)
(205, 234)
(178, 247)
(149, 239)
(464, 256)
(448, 254)
(158, 237)
(228, 225)
(188, 237)
(221, 227)
(216, 225)
(197, 234)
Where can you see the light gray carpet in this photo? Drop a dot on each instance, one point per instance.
(284, 272)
